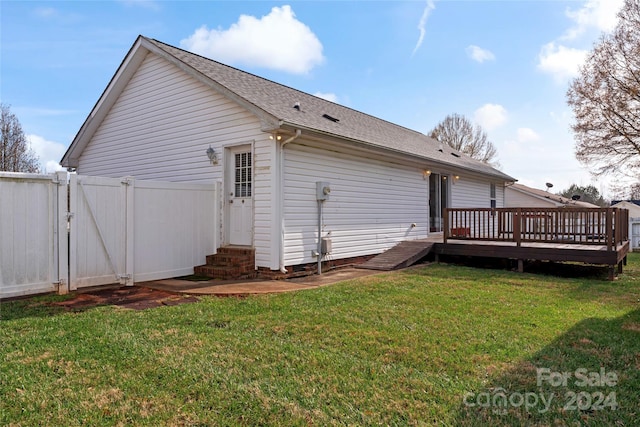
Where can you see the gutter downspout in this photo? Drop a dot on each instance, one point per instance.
(282, 144)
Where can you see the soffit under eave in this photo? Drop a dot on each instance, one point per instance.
(417, 161)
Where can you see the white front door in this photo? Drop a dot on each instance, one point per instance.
(240, 196)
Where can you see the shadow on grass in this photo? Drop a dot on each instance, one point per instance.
(130, 297)
(547, 268)
(605, 392)
(39, 306)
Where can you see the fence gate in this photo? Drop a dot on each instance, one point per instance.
(98, 231)
(91, 231)
(33, 233)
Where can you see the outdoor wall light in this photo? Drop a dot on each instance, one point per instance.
(426, 173)
(212, 155)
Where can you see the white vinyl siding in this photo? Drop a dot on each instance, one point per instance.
(266, 238)
(471, 192)
(161, 126)
(518, 199)
(371, 206)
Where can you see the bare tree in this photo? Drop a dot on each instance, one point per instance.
(460, 134)
(605, 99)
(15, 153)
(626, 191)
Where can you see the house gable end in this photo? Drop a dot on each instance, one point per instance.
(129, 66)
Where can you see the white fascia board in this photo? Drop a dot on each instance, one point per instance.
(116, 85)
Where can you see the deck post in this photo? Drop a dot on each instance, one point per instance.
(620, 267)
(445, 221)
(609, 228)
(517, 225)
(520, 266)
(612, 272)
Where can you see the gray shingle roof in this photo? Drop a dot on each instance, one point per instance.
(278, 101)
(553, 197)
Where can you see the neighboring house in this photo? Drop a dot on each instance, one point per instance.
(518, 195)
(165, 107)
(634, 220)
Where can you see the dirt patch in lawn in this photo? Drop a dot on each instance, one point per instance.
(133, 297)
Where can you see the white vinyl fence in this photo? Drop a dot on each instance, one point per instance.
(30, 244)
(634, 232)
(115, 231)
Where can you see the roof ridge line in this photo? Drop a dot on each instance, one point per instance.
(294, 89)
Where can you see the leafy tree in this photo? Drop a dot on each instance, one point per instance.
(459, 133)
(15, 153)
(589, 194)
(605, 99)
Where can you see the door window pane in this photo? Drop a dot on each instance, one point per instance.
(243, 174)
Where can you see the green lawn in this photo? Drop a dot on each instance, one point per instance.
(405, 348)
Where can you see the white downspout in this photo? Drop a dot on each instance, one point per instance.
(282, 144)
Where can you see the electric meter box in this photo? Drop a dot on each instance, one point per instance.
(325, 246)
(323, 189)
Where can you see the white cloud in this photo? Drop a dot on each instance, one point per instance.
(560, 61)
(146, 4)
(45, 12)
(422, 24)
(328, 96)
(277, 41)
(479, 54)
(48, 152)
(563, 62)
(600, 15)
(490, 116)
(527, 135)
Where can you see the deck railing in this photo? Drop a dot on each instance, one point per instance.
(587, 226)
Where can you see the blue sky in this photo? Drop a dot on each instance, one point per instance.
(506, 65)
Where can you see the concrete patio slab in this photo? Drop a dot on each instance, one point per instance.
(248, 287)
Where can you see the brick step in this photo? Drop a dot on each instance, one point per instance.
(219, 259)
(230, 263)
(224, 273)
(243, 266)
(237, 251)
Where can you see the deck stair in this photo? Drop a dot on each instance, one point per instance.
(230, 263)
(401, 255)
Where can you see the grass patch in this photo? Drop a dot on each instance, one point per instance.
(402, 348)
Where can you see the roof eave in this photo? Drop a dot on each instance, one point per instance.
(137, 53)
(289, 126)
(116, 85)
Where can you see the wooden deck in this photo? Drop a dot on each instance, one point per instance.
(591, 236)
